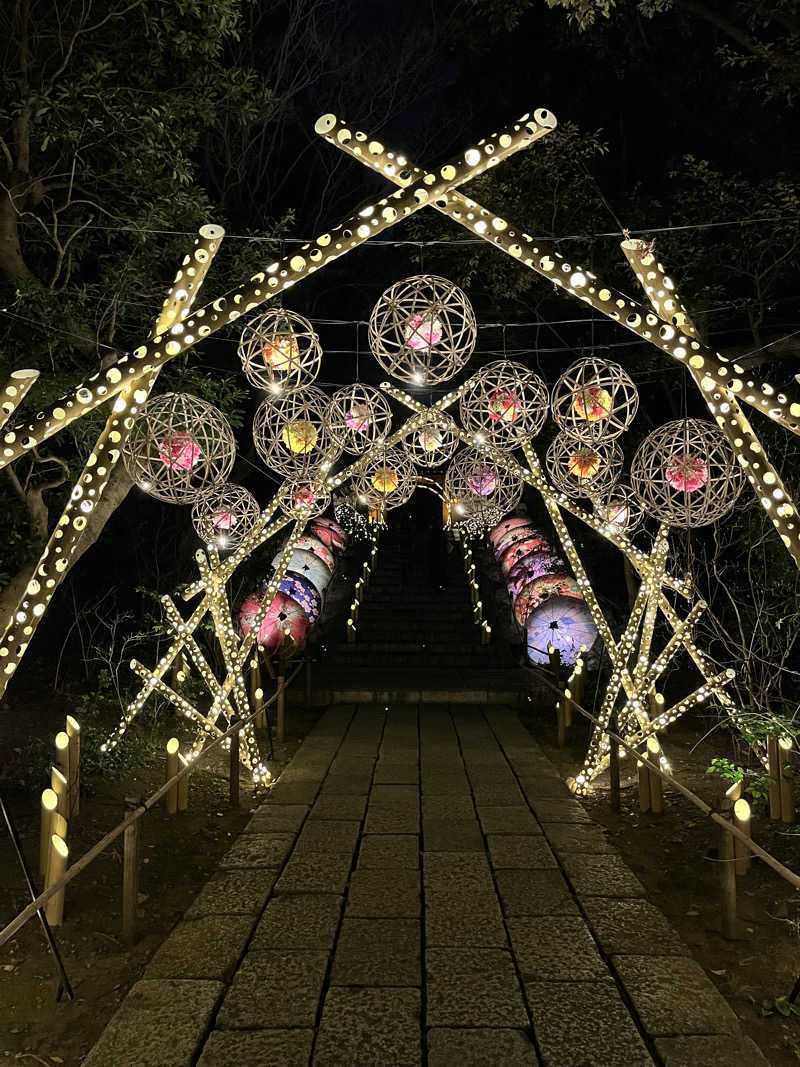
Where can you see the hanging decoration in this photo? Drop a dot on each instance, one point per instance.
(620, 509)
(280, 352)
(479, 487)
(292, 434)
(578, 469)
(359, 417)
(432, 443)
(329, 532)
(539, 589)
(350, 516)
(534, 565)
(503, 403)
(225, 516)
(594, 400)
(304, 593)
(303, 499)
(561, 622)
(387, 480)
(284, 618)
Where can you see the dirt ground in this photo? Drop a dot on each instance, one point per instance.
(674, 855)
(179, 852)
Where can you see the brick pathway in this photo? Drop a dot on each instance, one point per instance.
(420, 888)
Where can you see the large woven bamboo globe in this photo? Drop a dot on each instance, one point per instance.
(422, 330)
(303, 499)
(594, 400)
(504, 403)
(291, 433)
(359, 417)
(580, 469)
(224, 516)
(387, 480)
(476, 485)
(685, 474)
(620, 509)
(432, 442)
(280, 352)
(179, 447)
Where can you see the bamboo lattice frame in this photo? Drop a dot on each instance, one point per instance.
(280, 351)
(505, 402)
(225, 516)
(594, 400)
(359, 417)
(583, 470)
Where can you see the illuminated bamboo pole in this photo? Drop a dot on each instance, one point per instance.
(74, 756)
(741, 820)
(181, 703)
(55, 561)
(661, 548)
(49, 806)
(282, 274)
(264, 529)
(173, 766)
(62, 763)
(774, 771)
(14, 392)
(60, 786)
(56, 866)
(721, 402)
(656, 788)
(183, 784)
(786, 781)
(542, 257)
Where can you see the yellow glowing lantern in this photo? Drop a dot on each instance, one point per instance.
(299, 436)
(592, 403)
(385, 480)
(584, 463)
(282, 353)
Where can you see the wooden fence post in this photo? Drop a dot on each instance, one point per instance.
(785, 765)
(741, 820)
(774, 771)
(62, 763)
(656, 784)
(130, 880)
(49, 806)
(183, 785)
(173, 765)
(56, 866)
(727, 873)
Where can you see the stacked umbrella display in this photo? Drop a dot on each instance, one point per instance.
(548, 604)
(298, 603)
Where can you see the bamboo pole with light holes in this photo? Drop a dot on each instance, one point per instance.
(14, 392)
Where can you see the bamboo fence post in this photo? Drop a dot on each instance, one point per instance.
(613, 764)
(49, 806)
(56, 866)
(60, 786)
(561, 718)
(173, 766)
(281, 707)
(74, 756)
(727, 874)
(233, 776)
(644, 786)
(786, 775)
(62, 762)
(567, 707)
(183, 785)
(741, 819)
(656, 787)
(130, 880)
(774, 772)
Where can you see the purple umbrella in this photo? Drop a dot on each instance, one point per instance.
(534, 565)
(563, 622)
(304, 592)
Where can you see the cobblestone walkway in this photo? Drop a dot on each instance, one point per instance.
(420, 888)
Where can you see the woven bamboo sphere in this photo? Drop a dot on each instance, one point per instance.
(594, 400)
(685, 474)
(432, 442)
(179, 447)
(280, 352)
(225, 515)
(359, 417)
(504, 402)
(303, 500)
(422, 330)
(620, 509)
(387, 480)
(479, 487)
(580, 469)
(291, 433)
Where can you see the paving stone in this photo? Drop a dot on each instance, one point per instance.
(464, 870)
(601, 876)
(584, 1023)
(276, 988)
(673, 995)
(632, 927)
(461, 918)
(387, 820)
(332, 806)
(298, 921)
(257, 850)
(378, 952)
(369, 1026)
(492, 797)
(398, 796)
(529, 851)
(555, 949)
(473, 987)
(710, 1052)
(392, 771)
(560, 811)
(347, 784)
(447, 807)
(232, 1048)
(477, 1048)
(315, 872)
(277, 818)
(328, 835)
(445, 785)
(159, 1024)
(578, 837)
(234, 893)
(384, 894)
(535, 893)
(507, 819)
(544, 787)
(451, 835)
(202, 948)
(389, 850)
(293, 792)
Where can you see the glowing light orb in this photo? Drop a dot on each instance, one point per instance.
(592, 403)
(385, 480)
(686, 472)
(423, 330)
(299, 436)
(179, 451)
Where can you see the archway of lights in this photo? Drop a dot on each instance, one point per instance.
(418, 341)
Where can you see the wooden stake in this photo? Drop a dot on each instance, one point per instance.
(60, 786)
(74, 755)
(613, 764)
(62, 762)
(130, 880)
(644, 787)
(741, 820)
(727, 876)
(567, 708)
(56, 866)
(774, 772)
(233, 775)
(183, 785)
(561, 721)
(173, 766)
(49, 807)
(656, 785)
(281, 708)
(786, 772)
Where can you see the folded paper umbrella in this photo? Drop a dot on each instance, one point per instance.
(304, 592)
(563, 622)
(309, 566)
(532, 566)
(512, 555)
(316, 547)
(284, 618)
(512, 522)
(330, 533)
(513, 537)
(536, 591)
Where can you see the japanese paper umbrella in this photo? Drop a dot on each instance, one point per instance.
(283, 614)
(539, 589)
(497, 534)
(329, 532)
(311, 543)
(533, 566)
(304, 592)
(512, 555)
(309, 566)
(563, 622)
(513, 537)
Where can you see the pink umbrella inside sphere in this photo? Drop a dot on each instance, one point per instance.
(686, 473)
(179, 451)
(422, 331)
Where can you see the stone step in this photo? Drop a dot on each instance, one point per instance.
(434, 648)
(401, 659)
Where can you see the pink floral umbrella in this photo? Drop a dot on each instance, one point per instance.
(533, 566)
(539, 589)
(284, 618)
(497, 534)
(513, 537)
(329, 532)
(515, 553)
